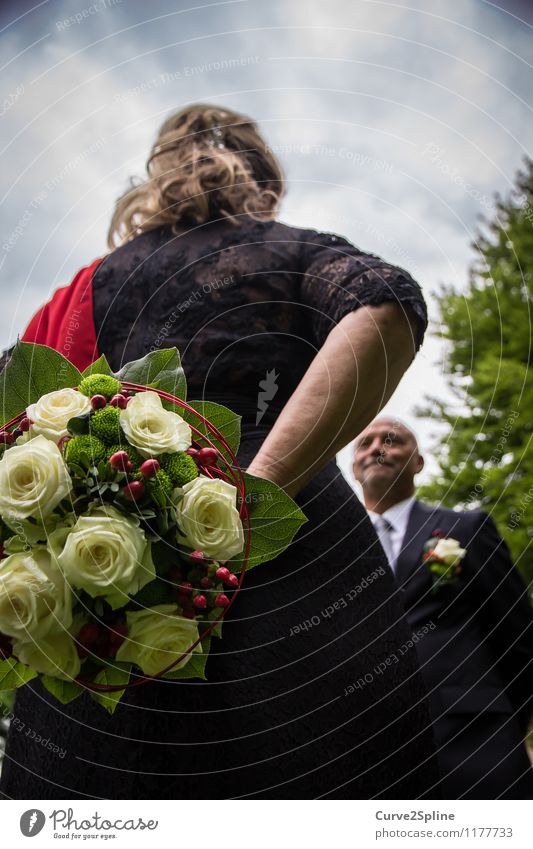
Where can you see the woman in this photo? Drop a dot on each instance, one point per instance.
(308, 694)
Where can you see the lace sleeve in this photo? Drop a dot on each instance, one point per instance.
(339, 278)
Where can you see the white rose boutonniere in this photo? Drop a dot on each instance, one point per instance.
(50, 414)
(443, 557)
(449, 551)
(151, 429)
(208, 518)
(33, 480)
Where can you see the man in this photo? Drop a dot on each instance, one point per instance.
(472, 620)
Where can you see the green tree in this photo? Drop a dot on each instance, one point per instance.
(486, 455)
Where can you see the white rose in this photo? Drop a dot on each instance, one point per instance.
(449, 551)
(50, 414)
(34, 596)
(105, 553)
(208, 518)
(33, 480)
(151, 429)
(54, 654)
(156, 636)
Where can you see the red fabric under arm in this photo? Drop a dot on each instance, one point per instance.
(66, 322)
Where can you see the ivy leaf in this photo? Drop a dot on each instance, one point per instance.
(14, 674)
(100, 366)
(225, 420)
(63, 691)
(159, 369)
(7, 698)
(111, 675)
(32, 371)
(79, 425)
(275, 519)
(195, 668)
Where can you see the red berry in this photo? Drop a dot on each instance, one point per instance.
(119, 401)
(175, 574)
(98, 401)
(197, 556)
(222, 573)
(150, 468)
(206, 583)
(188, 612)
(134, 491)
(6, 438)
(200, 602)
(221, 600)
(16, 432)
(193, 452)
(89, 634)
(185, 588)
(120, 461)
(24, 424)
(117, 634)
(232, 582)
(63, 441)
(207, 457)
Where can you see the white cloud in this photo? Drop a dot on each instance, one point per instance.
(380, 80)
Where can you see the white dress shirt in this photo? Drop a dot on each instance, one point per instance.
(397, 517)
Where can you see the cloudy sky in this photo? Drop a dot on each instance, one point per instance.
(395, 122)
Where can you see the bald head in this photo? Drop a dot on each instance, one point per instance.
(386, 460)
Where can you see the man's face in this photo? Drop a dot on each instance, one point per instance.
(386, 457)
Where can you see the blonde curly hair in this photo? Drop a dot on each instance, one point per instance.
(207, 162)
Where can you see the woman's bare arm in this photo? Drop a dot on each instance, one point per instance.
(350, 379)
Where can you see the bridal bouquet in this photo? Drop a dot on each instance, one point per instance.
(126, 524)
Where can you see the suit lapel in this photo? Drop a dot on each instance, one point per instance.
(423, 519)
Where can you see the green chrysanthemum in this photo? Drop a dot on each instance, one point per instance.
(85, 451)
(180, 467)
(161, 484)
(99, 384)
(105, 425)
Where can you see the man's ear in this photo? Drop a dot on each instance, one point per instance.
(420, 463)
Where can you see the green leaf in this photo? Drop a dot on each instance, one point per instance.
(274, 521)
(79, 425)
(7, 698)
(32, 371)
(195, 668)
(111, 675)
(225, 420)
(63, 691)
(159, 369)
(14, 674)
(100, 366)
(154, 592)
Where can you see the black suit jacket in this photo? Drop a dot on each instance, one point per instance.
(479, 654)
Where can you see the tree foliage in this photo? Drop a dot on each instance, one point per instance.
(486, 455)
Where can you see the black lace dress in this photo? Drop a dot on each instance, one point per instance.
(313, 691)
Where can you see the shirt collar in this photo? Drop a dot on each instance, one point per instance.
(397, 515)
